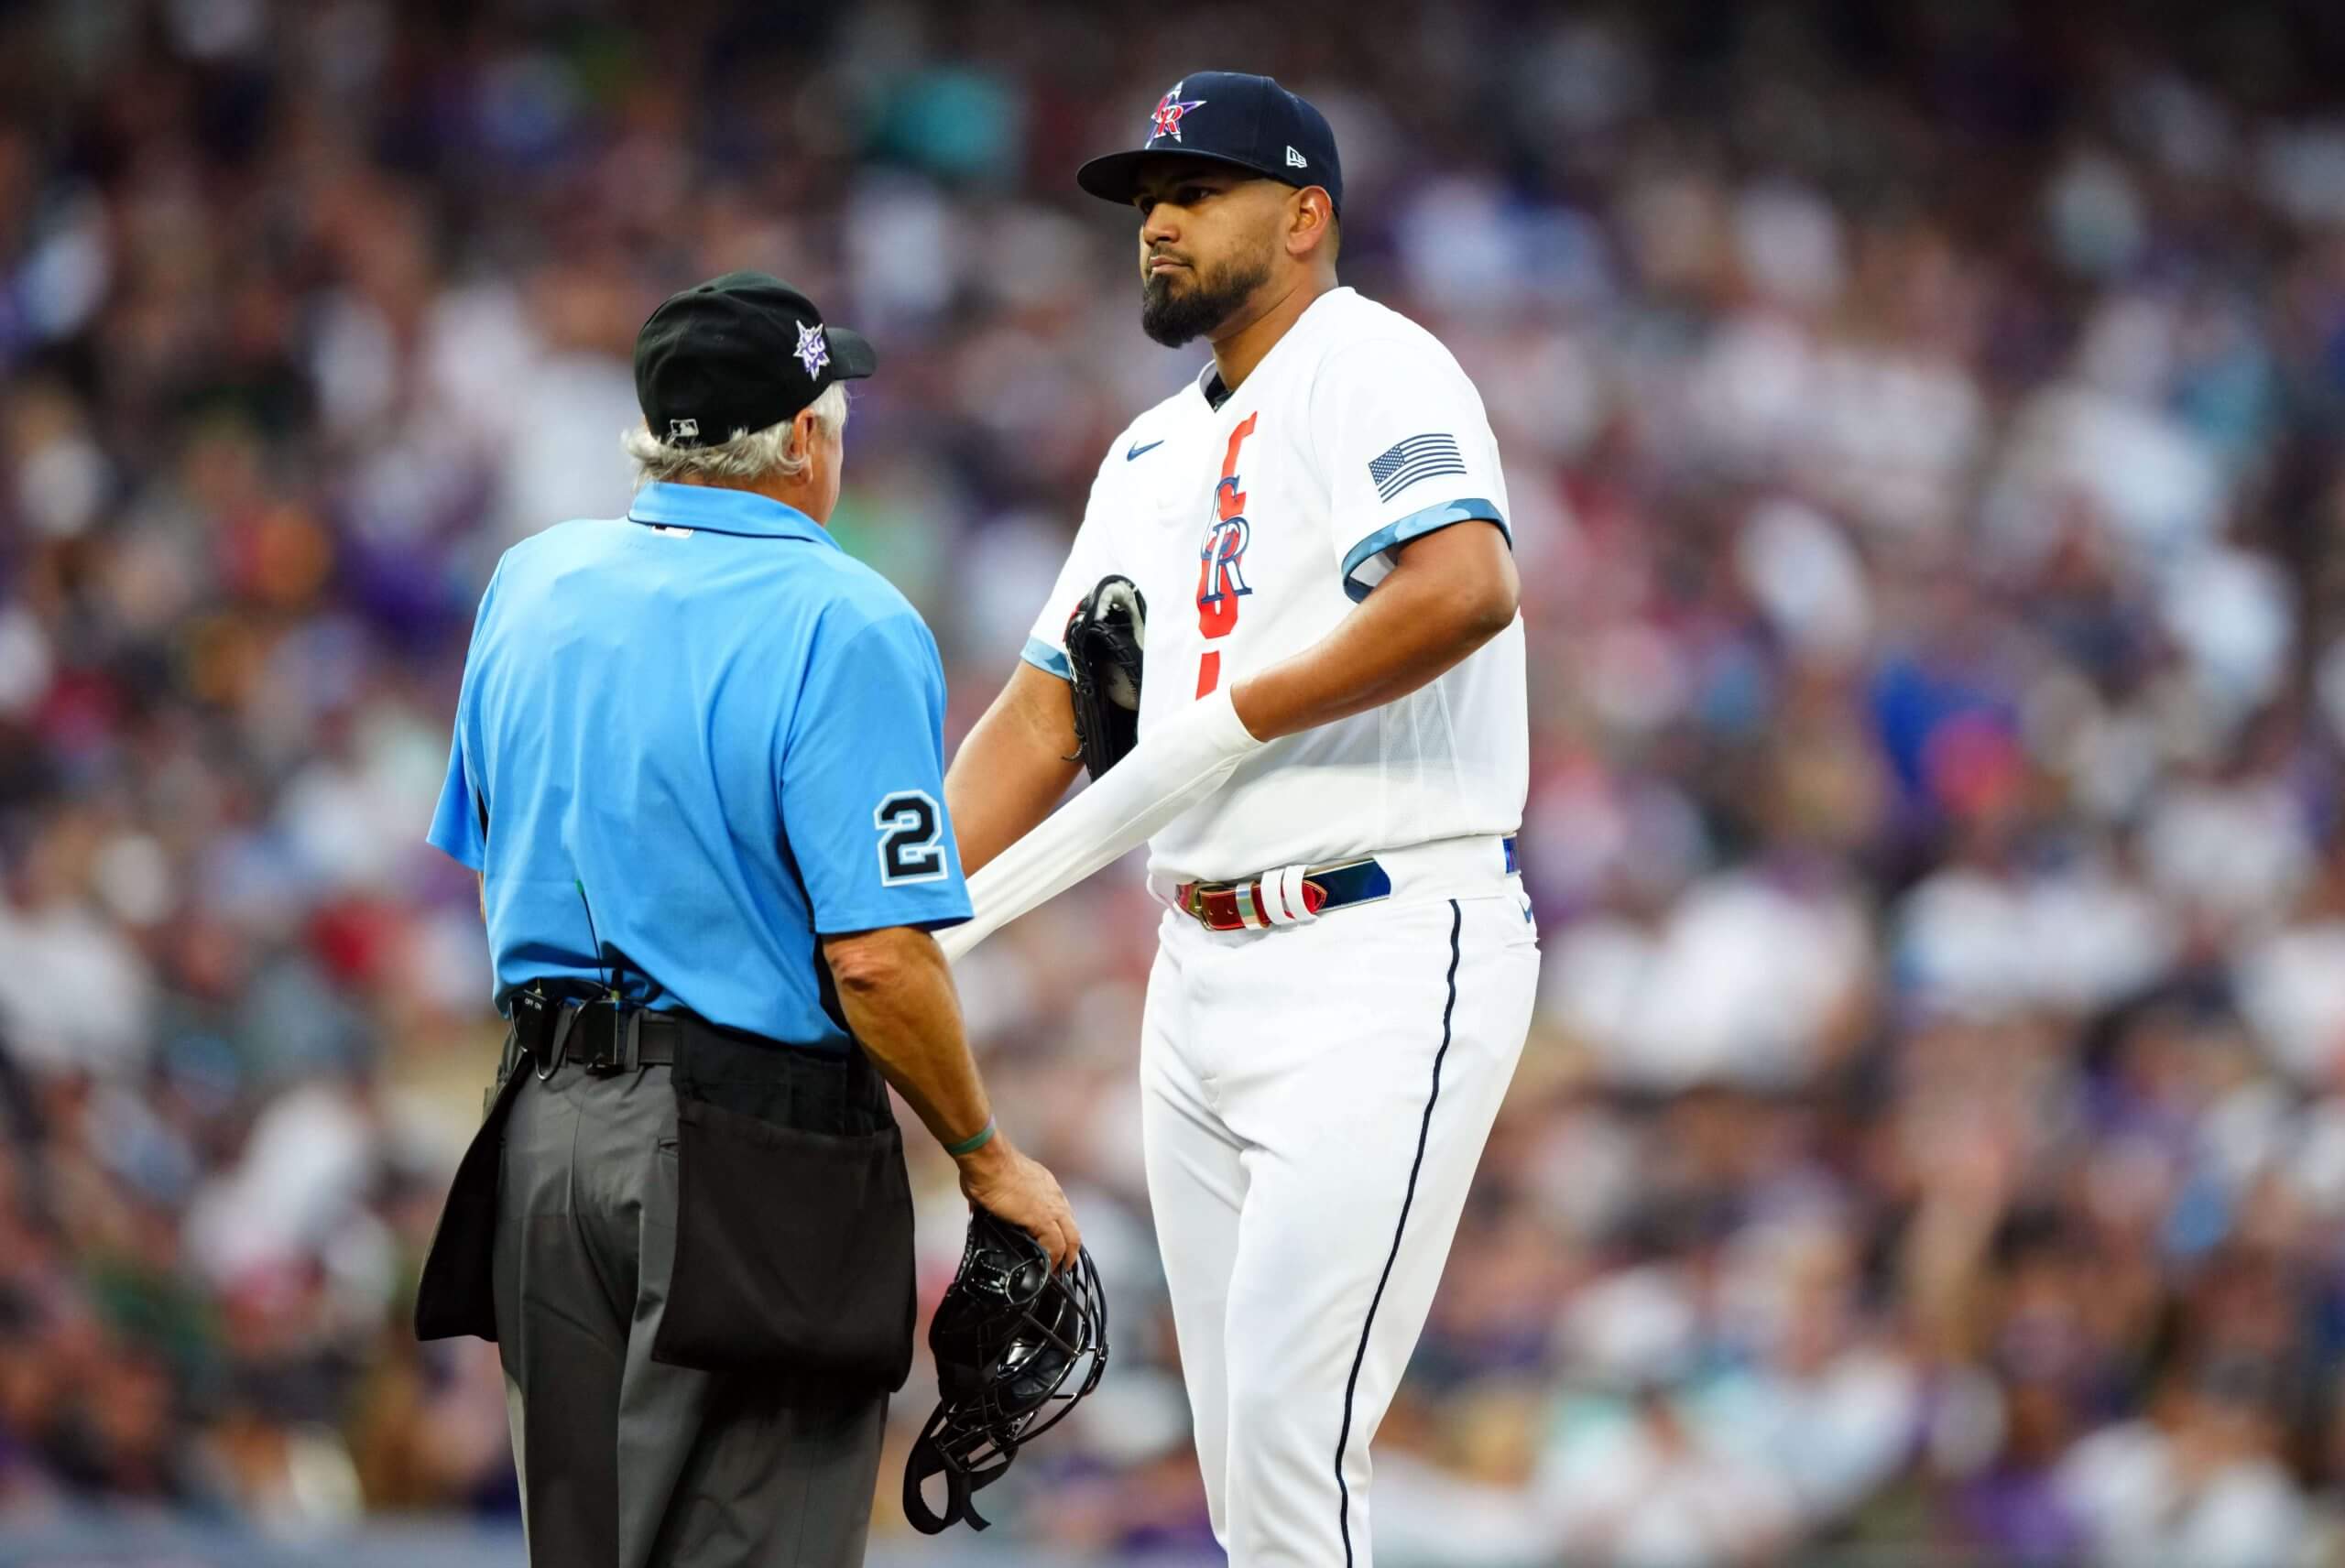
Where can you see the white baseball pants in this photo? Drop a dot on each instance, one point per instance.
(1315, 1099)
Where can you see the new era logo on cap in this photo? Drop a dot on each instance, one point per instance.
(1296, 160)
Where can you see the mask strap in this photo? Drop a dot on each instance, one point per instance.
(927, 1459)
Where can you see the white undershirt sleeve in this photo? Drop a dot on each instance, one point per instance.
(1175, 765)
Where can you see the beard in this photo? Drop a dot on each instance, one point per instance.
(1173, 318)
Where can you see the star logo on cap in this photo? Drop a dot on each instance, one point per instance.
(1166, 121)
(813, 349)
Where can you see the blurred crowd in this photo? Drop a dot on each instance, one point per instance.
(1926, 427)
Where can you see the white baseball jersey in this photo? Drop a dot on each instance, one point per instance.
(1253, 529)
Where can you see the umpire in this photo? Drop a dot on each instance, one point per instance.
(699, 768)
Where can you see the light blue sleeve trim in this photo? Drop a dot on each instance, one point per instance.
(1047, 659)
(1416, 525)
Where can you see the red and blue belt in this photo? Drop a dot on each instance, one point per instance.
(1239, 905)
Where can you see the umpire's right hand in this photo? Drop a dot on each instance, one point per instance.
(1019, 1189)
(896, 993)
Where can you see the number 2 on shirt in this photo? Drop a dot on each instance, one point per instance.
(1221, 576)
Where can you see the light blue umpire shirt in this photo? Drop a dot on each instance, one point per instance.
(703, 733)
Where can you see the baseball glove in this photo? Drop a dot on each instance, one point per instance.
(1103, 641)
(1017, 1345)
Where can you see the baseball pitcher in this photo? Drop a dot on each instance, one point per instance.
(1285, 643)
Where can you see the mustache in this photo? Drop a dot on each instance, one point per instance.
(1173, 255)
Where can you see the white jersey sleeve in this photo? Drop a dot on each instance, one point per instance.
(1405, 447)
(1091, 557)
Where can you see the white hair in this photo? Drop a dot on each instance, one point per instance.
(750, 455)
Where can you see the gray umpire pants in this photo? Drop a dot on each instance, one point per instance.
(625, 1461)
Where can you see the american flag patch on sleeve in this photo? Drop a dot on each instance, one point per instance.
(1419, 457)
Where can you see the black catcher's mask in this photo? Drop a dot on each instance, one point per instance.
(1016, 1346)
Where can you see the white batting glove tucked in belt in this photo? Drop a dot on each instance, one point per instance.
(1174, 766)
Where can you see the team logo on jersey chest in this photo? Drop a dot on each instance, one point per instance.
(1221, 562)
(1223, 574)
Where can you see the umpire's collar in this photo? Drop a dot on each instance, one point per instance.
(722, 511)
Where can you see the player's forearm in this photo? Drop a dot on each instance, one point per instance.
(896, 993)
(1450, 593)
(1013, 766)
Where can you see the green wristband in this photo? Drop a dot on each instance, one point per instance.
(974, 1142)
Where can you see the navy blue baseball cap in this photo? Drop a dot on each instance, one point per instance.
(1227, 117)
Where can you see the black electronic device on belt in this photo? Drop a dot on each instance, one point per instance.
(612, 1055)
(534, 1013)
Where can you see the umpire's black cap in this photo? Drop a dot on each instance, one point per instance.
(737, 353)
(1227, 117)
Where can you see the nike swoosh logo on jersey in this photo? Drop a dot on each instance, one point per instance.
(1136, 451)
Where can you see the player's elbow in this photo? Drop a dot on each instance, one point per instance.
(1461, 583)
(1480, 605)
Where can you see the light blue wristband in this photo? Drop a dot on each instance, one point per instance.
(974, 1142)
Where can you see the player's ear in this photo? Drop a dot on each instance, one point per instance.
(1311, 225)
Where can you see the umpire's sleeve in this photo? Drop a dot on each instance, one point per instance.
(862, 775)
(460, 825)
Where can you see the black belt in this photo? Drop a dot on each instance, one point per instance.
(604, 1038)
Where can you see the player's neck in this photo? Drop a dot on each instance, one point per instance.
(1240, 347)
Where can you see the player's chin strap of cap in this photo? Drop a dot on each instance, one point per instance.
(927, 1458)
